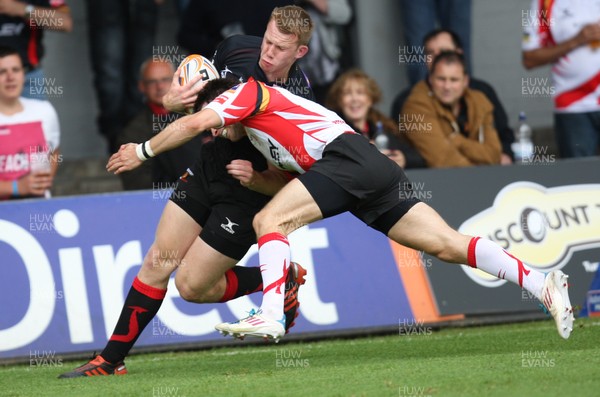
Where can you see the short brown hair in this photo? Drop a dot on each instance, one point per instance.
(449, 57)
(213, 89)
(293, 20)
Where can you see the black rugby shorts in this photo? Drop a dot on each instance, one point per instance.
(353, 175)
(226, 224)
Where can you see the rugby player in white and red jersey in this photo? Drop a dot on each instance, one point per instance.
(339, 171)
(566, 34)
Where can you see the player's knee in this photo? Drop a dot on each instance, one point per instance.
(260, 222)
(190, 293)
(266, 222)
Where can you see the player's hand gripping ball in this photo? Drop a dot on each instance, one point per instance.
(194, 65)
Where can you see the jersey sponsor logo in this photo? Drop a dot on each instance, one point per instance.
(229, 225)
(11, 29)
(274, 152)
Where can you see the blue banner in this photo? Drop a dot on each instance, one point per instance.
(68, 263)
(591, 306)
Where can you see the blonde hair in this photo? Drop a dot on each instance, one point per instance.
(334, 96)
(293, 20)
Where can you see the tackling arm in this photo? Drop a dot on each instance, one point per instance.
(175, 135)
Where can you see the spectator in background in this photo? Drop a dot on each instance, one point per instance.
(121, 37)
(30, 134)
(450, 124)
(422, 16)
(322, 63)
(22, 24)
(439, 40)
(155, 80)
(566, 34)
(353, 96)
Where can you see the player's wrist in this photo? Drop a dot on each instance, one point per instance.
(144, 151)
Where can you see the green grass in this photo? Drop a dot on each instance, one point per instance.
(527, 359)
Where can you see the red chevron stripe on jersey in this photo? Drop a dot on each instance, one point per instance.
(290, 131)
(567, 98)
(575, 84)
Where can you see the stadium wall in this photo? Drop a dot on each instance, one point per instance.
(67, 263)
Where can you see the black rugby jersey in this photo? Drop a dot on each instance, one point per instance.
(239, 55)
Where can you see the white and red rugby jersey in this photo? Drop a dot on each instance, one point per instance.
(576, 75)
(290, 131)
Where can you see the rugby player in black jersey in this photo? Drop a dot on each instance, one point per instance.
(206, 226)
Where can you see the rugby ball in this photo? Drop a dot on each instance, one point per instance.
(194, 65)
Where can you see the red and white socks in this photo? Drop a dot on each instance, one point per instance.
(274, 259)
(489, 257)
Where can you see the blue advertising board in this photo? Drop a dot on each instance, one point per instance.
(66, 265)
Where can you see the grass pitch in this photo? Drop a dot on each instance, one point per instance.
(526, 359)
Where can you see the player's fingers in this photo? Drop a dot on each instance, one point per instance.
(195, 79)
(233, 171)
(120, 168)
(197, 84)
(114, 157)
(241, 163)
(188, 101)
(237, 170)
(113, 165)
(110, 162)
(176, 76)
(238, 174)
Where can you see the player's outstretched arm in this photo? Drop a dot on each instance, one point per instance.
(131, 155)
